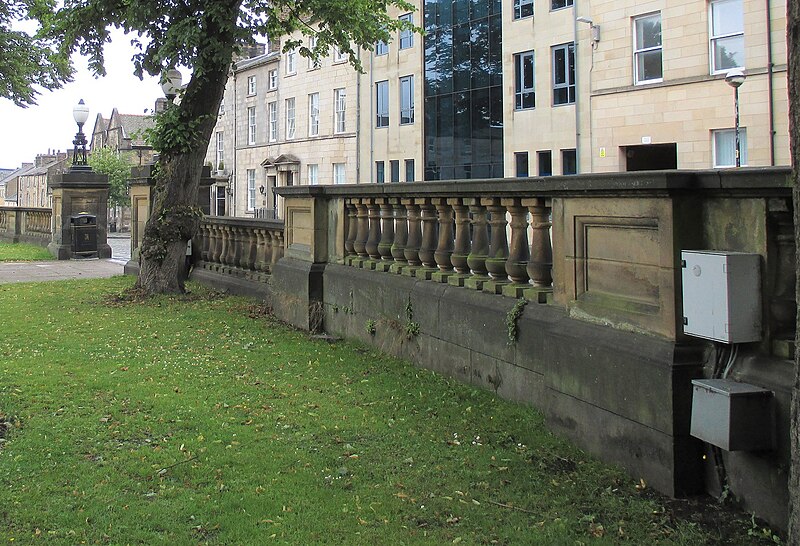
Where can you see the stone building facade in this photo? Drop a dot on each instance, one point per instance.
(516, 89)
(33, 186)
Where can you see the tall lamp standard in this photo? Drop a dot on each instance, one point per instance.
(735, 78)
(80, 113)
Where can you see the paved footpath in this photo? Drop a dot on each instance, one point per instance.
(59, 270)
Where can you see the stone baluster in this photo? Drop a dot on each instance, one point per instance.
(205, 246)
(252, 248)
(270, 242)
(278, 250)
(400, 236)
(239, 259)
(461, 245)
(224, 236)
(540, 265)
(232, 247)
(429, 235)
(411, 251)
(213, 252)
(519, 252)
(479, 250)
(387, 230)
(260, 247)
(498, 245)
(352, 228)
(374, 237)
(362, 231)
(445, 244)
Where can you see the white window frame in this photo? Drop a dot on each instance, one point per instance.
(272, 109)
(715, 160)
(339, 173)
(519, 7)
(291, 118)
(313, 114)
(220, 151)
(520, 90)
(251, 85)
(251, 189)
(407, 100)
(313, 174)
(382, 104)
(639, 51)
(272, 79)
(291, 62)
(566, 4)
(251, 125)
(339, 56)
(340, 110)
(714, 38)
(406, 36)
(570, 76)
(381, 48)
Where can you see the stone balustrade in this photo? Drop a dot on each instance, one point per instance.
(494, 244)
(26, 225)
(238, 247)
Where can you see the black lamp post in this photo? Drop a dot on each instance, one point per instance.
(735, 78)
(80, 114)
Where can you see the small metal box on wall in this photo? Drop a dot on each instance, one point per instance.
(721, 295)
(734, 416)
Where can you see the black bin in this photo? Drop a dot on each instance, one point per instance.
(84, 233)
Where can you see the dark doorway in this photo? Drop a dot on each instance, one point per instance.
(651, 157)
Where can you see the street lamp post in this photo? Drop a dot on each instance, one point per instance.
(172, 83)
(80, 113)
(735, 78)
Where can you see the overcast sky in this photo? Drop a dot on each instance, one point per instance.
(49, 125)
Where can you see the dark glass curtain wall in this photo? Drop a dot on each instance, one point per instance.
(463, 89)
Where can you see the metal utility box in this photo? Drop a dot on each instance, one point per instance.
(734, 416)
(721, 295)
(84, 233)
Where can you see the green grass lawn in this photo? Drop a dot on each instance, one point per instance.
(21, 252)
(200, 421)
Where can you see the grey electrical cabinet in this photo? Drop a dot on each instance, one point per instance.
(721, 295)
(731, 415)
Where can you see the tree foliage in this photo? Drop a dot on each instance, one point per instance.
(104, 160)
(28, 62)
(203, 35)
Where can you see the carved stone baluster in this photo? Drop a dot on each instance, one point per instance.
(498, 246)
(445, 244)
(400, 236)
(252, 248)
(387, 234)
(352, 230)
(205, 248)
(540, 265)
(362, 230)
(225, 238)
(240, 259)
(414, 241)
(429, 237)
(213, 247)
(374, 216)
(269, 249)
(277, 250)
(461, 244)
(258, 264)
(479, 250)
(519, 252)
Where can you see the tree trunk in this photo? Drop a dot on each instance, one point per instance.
(793, 49)
(175, 217)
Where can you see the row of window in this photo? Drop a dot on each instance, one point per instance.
(524, 8)
(394, 171)
(406, 102)
(290, 119)
(338, 171)
(569, 163)
(563, 57)
(406, 38)
(726, 43)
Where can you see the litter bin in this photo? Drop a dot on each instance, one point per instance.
(84, 233)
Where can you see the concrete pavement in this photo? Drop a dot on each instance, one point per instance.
(59, 270)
